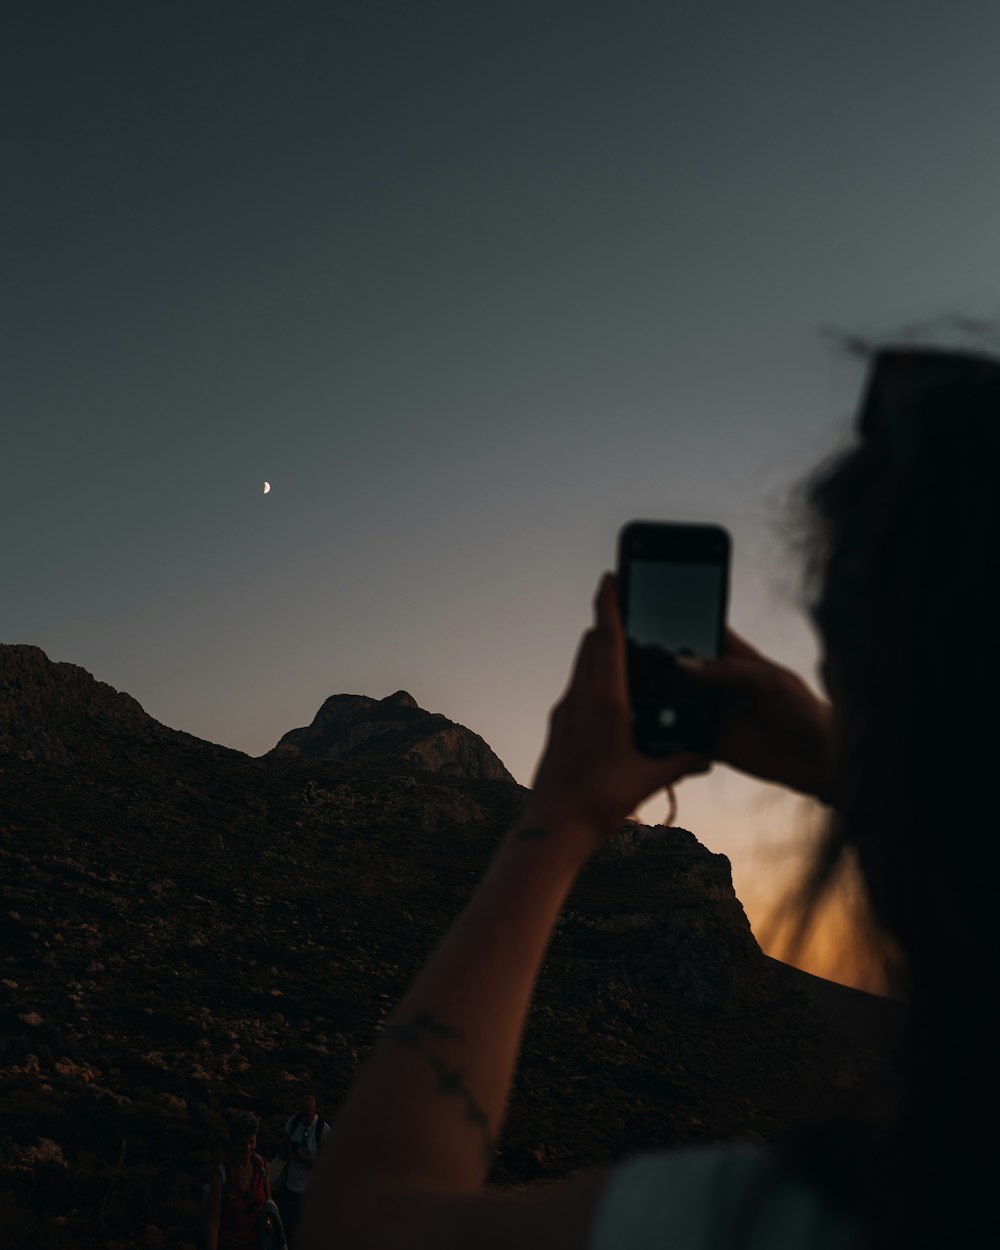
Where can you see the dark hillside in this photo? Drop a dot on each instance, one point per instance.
(187, 930)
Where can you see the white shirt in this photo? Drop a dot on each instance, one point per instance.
(305, 1138)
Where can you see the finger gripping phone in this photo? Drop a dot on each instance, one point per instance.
(673, 583)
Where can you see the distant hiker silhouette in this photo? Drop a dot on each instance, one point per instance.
(239, 1196)
(304, 1134)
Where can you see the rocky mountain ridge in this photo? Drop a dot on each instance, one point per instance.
(185, 930)
(57, 713)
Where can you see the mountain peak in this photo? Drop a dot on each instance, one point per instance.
(394, 728)
(400, 699)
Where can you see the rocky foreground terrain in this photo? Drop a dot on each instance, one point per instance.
(185, 930)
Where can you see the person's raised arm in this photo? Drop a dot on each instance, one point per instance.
(408, 1153)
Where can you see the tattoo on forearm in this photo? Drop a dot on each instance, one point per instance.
(407, 1032)
(451, 1081)
(529, 835)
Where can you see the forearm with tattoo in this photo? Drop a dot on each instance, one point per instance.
(451, 1081)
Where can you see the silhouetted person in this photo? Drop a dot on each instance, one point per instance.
(239, 1190)
(304, 1134)
(901, 573)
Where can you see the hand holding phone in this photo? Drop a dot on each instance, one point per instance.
(737, 705)
(771, 725)
(590, 777)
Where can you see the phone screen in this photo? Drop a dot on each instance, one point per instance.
(674, 586)
(676, 606)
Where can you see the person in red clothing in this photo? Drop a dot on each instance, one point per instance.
(239, 1189)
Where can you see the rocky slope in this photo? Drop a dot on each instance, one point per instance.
(58, 714)
(186, 930)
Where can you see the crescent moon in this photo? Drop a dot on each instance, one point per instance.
(267, 487)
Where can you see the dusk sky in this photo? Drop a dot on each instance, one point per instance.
(471, 285)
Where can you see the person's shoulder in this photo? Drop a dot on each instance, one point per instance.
(289, 1122)
(714, 1197)
(676, 1197)
(701, 1163)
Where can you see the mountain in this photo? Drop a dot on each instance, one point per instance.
(58, 714)
(185, 930)
(395, 728)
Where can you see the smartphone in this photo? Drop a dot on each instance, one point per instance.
(673, 584)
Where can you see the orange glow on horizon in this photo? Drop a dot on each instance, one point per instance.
(840, 943)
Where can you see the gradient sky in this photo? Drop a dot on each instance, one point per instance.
(471, 285)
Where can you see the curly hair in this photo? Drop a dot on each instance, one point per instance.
(242, 1125)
